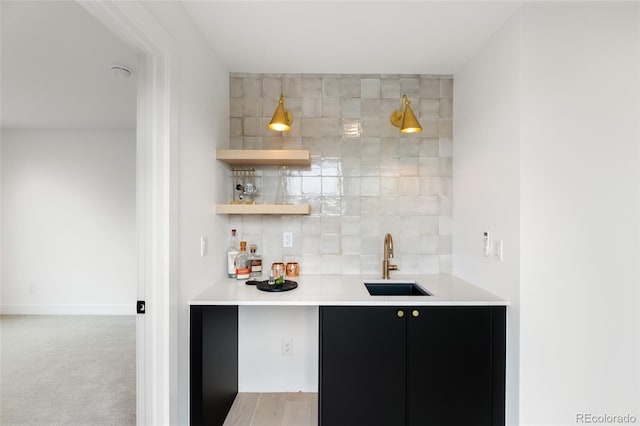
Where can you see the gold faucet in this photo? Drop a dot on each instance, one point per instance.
(388, 254)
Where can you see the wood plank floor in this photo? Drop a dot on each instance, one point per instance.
(274, 409)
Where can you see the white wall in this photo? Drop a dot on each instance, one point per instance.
(569, 74)
(200, 102)
(68, 222)
(262, 367)
(580, 204)
(486, 177)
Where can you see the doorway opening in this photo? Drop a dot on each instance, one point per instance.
(69, 216)
(156, 227)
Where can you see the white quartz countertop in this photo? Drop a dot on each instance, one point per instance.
(348, 290)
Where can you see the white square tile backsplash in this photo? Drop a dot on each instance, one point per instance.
(366, 179)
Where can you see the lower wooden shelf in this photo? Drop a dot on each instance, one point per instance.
(301, 209)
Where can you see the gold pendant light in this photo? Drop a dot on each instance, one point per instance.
(282, 119)
(406, 119)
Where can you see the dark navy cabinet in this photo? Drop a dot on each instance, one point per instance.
(427, 365)
(213, 363)
(362, 366)
(378, 365)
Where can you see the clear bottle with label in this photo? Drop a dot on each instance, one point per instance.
(256, 261)
(243, 266)
(232, 253)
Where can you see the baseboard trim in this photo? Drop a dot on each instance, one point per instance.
(102, 309)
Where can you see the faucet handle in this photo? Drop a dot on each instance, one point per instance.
(393, 268)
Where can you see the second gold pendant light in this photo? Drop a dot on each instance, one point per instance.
(405, 118)
(282, 119)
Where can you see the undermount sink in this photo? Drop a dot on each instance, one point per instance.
(395, 288)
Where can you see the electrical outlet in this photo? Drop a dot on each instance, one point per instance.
(287, 239)
(287, 347)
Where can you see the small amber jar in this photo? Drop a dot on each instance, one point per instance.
(293, 269)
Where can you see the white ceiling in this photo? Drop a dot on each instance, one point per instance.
(56, 56)
(415, 37)
(55, 69)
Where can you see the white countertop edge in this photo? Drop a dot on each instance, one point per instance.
(350, 303)
(348, 290)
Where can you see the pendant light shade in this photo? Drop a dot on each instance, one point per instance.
(282, 119)
(406, 119)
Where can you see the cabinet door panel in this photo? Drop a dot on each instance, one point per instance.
(449, 367)
(362, 366)
(213, 363)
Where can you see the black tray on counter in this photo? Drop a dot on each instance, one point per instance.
(264, 285)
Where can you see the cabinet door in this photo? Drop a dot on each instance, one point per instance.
(213, 363)
(362, 366)
(449, 367)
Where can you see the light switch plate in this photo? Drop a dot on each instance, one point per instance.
(486, 243)
(203, 246)
(497, 250)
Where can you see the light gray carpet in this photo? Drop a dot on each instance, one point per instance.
(67, 370)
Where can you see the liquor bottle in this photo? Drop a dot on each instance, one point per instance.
(243, 267)
(256, 261)
(232, 252)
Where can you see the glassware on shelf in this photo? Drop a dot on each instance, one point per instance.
(283, 195)
(245, 186)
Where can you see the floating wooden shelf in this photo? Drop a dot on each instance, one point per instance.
(261, 157)
(263, 209)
